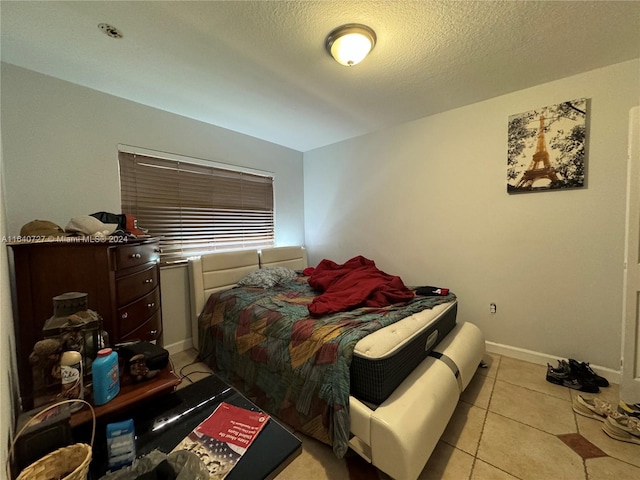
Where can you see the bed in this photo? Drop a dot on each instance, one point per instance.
(404, 374)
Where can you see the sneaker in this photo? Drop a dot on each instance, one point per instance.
(582, 369)
(563, 376)
(576, 370)
(588, 385)
(623, 428)
(632, 410)
(593, 408)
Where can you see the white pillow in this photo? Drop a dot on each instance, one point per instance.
(268, 277)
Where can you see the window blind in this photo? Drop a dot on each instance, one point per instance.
(195, 209)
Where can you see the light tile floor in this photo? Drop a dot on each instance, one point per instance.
(509, 424)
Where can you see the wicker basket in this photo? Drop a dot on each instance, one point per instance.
(67, 463)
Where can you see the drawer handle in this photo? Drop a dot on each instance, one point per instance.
(153, 333)
(125, 314)
(149, 280)
(135, 255)
(151, 305)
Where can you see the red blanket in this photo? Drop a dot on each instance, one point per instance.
(356, 283)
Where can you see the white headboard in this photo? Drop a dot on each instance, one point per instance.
(213, 272)
(220, 271)
(294, 258)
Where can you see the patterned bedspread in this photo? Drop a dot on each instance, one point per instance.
(292, 365)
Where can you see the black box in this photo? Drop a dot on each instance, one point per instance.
(50, 432)
(155, 357)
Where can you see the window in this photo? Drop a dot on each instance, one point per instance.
(194, 208)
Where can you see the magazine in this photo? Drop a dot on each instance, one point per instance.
(222, 438)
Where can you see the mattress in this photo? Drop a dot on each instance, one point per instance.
(383, 359)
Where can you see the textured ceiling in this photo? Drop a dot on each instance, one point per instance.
(260, 67)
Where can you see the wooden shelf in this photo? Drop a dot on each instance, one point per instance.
(130, 394)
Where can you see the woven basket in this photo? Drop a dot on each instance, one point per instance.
(67, 463)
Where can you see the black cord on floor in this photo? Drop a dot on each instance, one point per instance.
(183, 376)
(192, 373)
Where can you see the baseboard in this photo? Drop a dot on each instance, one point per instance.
(614, 376)
(178, 347)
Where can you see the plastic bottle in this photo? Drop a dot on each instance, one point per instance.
(71, 375)
(106, 376)
(121, 444)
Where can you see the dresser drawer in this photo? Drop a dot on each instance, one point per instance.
(138, 312)
(148, 331)
(131, 287)
(134, 255)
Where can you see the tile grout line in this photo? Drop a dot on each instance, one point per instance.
(484, 422)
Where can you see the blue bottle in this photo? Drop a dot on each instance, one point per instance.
(106, 376)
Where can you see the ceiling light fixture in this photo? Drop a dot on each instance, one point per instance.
(351, 43)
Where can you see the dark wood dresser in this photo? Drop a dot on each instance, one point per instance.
(121, 278)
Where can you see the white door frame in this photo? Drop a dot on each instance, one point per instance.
(630, 365)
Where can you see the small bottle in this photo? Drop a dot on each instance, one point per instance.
(106, 376)
(71, 374)
(103, 340)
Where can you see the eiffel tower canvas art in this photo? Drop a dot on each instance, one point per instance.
(546, 148)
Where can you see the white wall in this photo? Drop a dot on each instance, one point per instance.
(60, 155)
(61, 160)
(8, 382)
(427, 201)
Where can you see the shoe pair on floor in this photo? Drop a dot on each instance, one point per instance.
(576, 375)
(632, 410)
(619, 426)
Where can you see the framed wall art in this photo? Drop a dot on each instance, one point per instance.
(546, 148)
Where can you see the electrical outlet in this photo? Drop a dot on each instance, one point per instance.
(492, 308)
